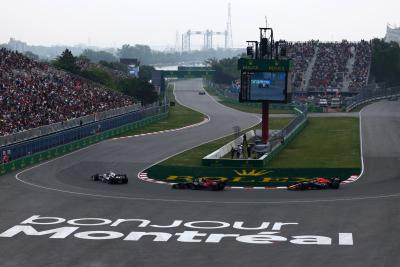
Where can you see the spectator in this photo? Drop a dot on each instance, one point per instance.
(33, 94)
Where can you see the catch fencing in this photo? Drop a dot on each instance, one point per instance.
(75, 145)
(228, 96)
(60, 126)
(44, 142)
(372, 93)
(278, 141)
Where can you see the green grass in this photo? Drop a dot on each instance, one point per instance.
(324, 143)
(179, 116)
(193, 157)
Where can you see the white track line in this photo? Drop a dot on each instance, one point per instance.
(299, 201)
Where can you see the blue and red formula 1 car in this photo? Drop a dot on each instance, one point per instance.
(318, 183)
(201, 184)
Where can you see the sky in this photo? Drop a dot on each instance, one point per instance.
(111, 23)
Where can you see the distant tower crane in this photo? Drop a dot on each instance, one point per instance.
(208, 36)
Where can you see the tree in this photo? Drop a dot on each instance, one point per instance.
(115, 66)
(139, 89)
(141, 52)
(67, 61)
(225, 70)
(385, 65)
(145, 72)
(96, 56)
(31, 55)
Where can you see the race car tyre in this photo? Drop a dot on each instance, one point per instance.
(192, 186)
(178, 186)
(335, 185)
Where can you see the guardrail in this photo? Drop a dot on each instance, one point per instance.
(229, 97)
(72, 146)
(367, 95)
(34, 145)
(288, 133)
(60, 126)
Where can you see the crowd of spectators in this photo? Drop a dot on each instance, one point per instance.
(330, 67)
(301, 53)
(359, 75)
(34, 94)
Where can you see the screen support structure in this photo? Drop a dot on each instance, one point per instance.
(265, 122)
(266, 51)
(263, 56)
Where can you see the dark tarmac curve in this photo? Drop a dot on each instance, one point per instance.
(368, 208)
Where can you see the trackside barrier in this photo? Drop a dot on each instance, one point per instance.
(248, 177)
(67, 148)
(368, 95)
(233, 99)
(289, 133)
(44, 142)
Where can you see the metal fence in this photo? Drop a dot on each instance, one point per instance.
(60, 126)
(301, 117)
(372, 93)
(44, 142)
(225, 94)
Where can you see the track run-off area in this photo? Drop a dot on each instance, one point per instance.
(52, 214)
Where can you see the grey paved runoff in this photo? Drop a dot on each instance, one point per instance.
(357, 225)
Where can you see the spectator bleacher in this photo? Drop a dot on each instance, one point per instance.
(302, 54)
(330, 67)
(34, 94)
(333, 65)
(359, 75)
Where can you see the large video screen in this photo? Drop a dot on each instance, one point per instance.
(268, 86)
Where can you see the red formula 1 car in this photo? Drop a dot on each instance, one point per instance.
(319, 183)
(201, 184)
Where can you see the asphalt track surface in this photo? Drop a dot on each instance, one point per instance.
(369, 209)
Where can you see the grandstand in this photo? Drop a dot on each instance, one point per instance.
(34, 94)
(321, 66)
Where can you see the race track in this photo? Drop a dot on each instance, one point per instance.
(357, 225)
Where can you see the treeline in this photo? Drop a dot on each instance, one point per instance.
(148, 56)
(143, 52)
(107, 74)
(385, 65)
(226, 70)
